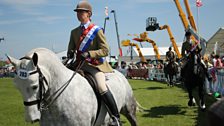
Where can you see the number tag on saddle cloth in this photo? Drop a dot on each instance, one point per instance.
(23, 74)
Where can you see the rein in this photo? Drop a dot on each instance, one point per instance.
(44, 102)
(52, 98)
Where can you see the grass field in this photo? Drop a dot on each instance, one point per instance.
(165, 106)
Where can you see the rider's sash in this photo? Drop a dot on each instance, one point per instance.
(87, 41)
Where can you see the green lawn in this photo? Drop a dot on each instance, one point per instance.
(11, 105)
(165, 106)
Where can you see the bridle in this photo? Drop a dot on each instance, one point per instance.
(42, 90)
(45, 101)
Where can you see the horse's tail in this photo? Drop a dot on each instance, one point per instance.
(140, 108)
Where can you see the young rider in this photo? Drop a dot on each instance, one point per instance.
(90, 45)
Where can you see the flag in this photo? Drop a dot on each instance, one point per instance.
(106, 13)
(198, 3)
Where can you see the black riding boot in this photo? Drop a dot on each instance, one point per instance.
(112, 108)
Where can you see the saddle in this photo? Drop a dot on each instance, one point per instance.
(93, 84)
(92, 81)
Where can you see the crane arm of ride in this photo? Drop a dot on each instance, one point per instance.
(171, 39)
(181, 14)
(190, 16)
(129, 43)
(187, 27)
(143, 37)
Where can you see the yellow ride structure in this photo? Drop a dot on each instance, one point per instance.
(129, 43)
(192, 26)
(152, 25)
(171, 39)
(144, 38)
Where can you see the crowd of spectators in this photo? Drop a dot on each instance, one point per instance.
(5, 72)
(215, 66)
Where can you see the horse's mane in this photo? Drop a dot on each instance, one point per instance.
(44, 54)
(41, 51)
(48, 59)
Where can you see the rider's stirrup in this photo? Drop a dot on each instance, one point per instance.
(115, 121)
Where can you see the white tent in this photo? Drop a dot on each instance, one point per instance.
(150, 51)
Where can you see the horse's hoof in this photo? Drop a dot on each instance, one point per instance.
(202, 106)
(194, 102)
(191, 102)
(203, 109)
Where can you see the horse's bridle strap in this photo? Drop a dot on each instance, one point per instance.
(31, 103)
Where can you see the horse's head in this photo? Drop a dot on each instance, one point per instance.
(194, 62)
(27, 82)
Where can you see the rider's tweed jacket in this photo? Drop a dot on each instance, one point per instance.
(98, 48)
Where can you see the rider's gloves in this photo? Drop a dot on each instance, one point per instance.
(84, 55)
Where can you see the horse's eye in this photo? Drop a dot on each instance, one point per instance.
(34, 87)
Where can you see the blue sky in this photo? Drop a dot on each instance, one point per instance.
(28, 24)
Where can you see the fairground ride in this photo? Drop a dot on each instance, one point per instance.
(129, 43)
(144, 38)
(152, 25)
(192, 26)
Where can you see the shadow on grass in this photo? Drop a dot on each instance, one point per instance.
(159, 112)
(149, 88)
(201, 119)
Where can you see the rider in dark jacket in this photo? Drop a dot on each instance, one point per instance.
(170, 56)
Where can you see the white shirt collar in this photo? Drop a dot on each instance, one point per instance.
(86, 25)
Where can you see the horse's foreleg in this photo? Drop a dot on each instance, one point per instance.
(201, 96)
(191, 101)
(171, 80)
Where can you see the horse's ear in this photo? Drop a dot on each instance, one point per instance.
(35, 59)
(12, 60)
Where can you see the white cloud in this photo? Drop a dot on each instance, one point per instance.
(43, 19)
(24, 6)
(150, 1)
(9, 22)
(23, 2)
(49, 19)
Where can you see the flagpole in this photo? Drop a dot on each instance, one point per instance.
(118, 39)
(104, 27)
(198, 24)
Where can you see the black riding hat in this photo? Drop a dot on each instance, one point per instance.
(188, 33)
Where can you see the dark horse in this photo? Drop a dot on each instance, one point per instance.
(194, 74)
(170, 70)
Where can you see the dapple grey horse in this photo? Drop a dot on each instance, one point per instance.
(57, 96)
